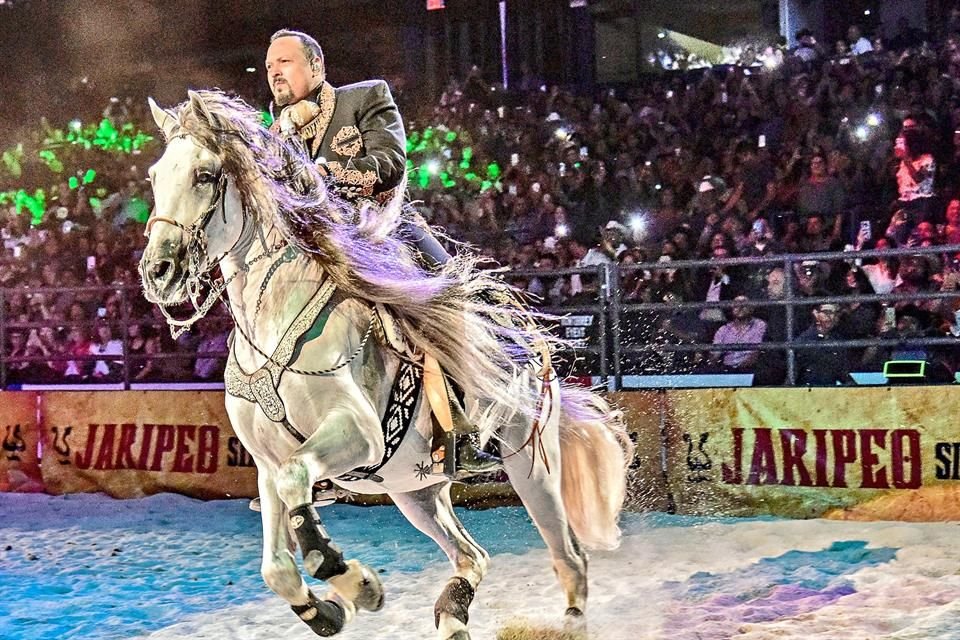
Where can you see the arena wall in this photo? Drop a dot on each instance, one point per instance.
(851, 453)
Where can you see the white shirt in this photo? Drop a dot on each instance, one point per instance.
(714, 314)
(112, 348)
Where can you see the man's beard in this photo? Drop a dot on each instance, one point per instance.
(282, 95)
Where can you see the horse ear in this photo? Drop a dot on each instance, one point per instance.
(164, 119)
(197, 104)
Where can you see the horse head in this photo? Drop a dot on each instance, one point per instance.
(198, 216)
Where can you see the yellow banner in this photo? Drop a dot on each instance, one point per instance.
(135, 443)
(19, 466)
(889, 453)
(642, 412)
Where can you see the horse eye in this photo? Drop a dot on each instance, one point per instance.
(205, 177)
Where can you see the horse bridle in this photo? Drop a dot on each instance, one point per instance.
(197, 253)
(197, 250)
(196, 232)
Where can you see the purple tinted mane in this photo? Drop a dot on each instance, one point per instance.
(360, 249)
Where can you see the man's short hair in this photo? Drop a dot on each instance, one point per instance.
(311, 48)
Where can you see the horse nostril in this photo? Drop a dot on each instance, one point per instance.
(160, 269)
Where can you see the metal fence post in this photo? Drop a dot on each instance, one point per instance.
(612, 294)
(125, 314)
(788, 294)
(603, 340)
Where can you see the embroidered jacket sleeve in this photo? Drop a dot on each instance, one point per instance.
(384, 139)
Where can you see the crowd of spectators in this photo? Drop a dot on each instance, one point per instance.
(800, 151)
(803, 151)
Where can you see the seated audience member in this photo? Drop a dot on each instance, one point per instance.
(743, 328)
(105, 344)
(821, 194)
(213, 344)
(822, 366)
(610, 247)
(715, 285)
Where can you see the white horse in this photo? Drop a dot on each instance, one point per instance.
(333, 317)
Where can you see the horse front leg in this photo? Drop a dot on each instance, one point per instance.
(342, 443)
(278, 566)
(431, 511)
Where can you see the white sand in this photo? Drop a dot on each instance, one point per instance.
(674, 578)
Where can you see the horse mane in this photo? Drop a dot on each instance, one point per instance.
(360, 249)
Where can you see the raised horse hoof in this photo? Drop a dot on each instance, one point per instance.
(360, 585)
(325, 618)
(371, 594)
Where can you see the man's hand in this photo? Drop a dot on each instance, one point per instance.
(348, 191)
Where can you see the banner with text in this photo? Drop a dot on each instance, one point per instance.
(135, 443)
(887, 453)
(19, 466)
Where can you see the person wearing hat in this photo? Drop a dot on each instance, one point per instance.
(807, 48)
(827, 366)
(705, 203)
(610, 247)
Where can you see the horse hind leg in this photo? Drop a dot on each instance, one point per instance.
(540, 490)
(431, 511)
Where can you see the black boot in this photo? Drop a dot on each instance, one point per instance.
(463, 457)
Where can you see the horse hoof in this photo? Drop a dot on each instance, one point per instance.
(360, 585)
(325, 618)
(460, 635)
(371, 595)
(574, 621)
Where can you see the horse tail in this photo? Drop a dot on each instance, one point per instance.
(595, 452)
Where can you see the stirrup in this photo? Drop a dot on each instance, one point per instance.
(461, 456)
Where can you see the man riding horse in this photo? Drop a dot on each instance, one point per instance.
(355, 136)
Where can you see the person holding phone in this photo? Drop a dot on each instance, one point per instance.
(916, 172)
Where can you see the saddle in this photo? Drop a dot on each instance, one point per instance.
(454, 450)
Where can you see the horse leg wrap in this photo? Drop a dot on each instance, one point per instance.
(454, 600)
(324, 618)
(321, 558)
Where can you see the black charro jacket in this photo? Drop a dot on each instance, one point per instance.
(355, 134)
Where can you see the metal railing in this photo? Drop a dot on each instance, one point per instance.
(611, 304)
(605, 315)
